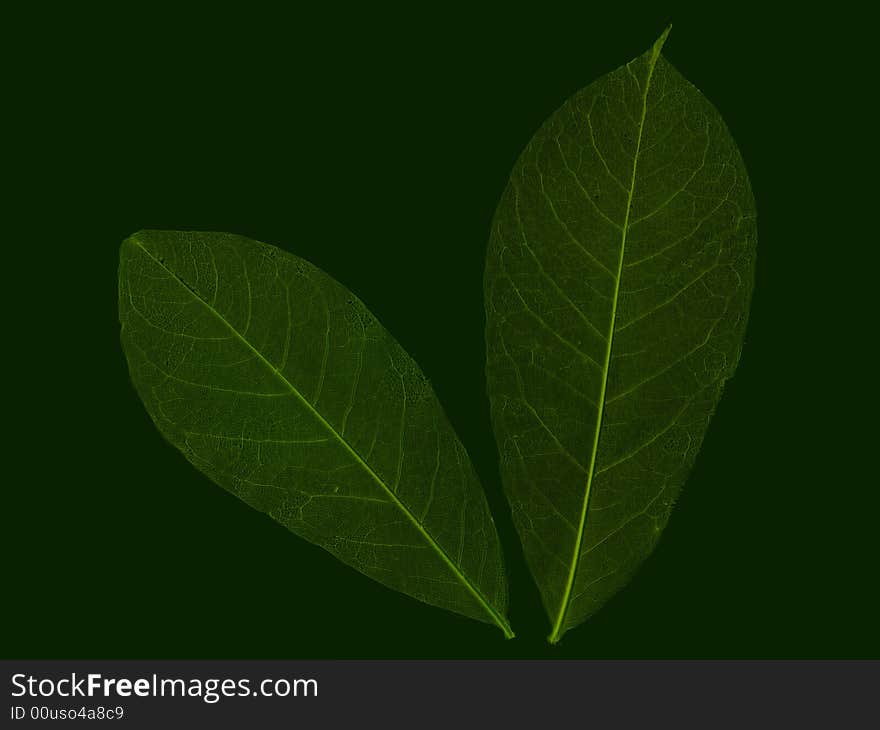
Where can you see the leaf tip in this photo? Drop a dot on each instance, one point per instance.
(658, 44)
(132, 239)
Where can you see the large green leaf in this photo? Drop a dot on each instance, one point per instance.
(618, 283)
(275, 381)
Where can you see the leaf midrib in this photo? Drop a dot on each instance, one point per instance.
(565, 603)
(497, 618)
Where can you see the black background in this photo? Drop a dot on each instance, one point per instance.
(376, 146)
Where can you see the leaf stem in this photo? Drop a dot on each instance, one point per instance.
(559, 624)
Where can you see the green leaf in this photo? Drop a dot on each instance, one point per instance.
(618, 282)
(277, 382)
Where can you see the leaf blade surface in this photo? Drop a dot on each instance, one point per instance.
(276, 382)
(618, 280)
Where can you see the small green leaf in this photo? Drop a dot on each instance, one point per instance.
(277, 382)
(618, 281)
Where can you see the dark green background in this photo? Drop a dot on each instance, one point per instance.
(376, 147)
